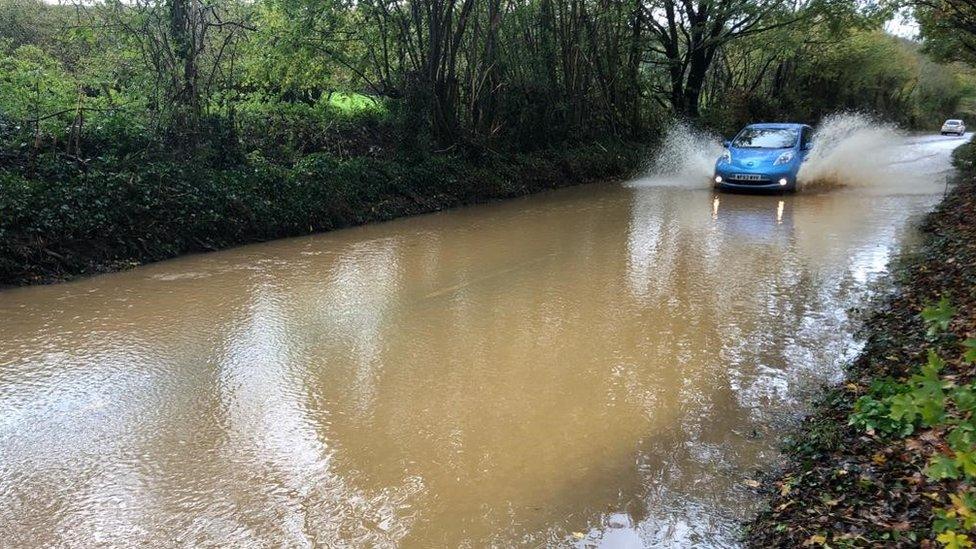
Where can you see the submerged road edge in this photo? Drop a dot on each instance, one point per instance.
(884, 458)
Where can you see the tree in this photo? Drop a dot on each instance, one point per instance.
(948, 28)
(689, 34)
(187, 45)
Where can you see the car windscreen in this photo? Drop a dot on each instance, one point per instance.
(766, 138)
(953, 122)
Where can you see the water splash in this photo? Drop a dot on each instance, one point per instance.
(850, 149)
(685, 158)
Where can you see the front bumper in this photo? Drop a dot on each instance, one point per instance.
(756, 187)
(743, 179)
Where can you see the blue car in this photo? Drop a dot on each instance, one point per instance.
(764, 157)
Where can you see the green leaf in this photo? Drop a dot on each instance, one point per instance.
(944, 521)
(933, 412)
(962, 437)
(969, 355)
(952, 540)
(966, 461)
(934, 365)
(937, 317)
(904, 408)
(929, 393)
(965, 398)
(941, 467)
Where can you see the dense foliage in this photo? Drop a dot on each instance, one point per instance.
(65, 222)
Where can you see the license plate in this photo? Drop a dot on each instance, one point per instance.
(748, 177)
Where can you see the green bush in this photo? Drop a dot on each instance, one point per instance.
(68, 219)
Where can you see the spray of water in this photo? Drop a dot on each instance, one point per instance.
(850, 149)
(686, 157)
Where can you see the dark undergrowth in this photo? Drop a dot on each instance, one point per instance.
(59, 220)
(889, 458)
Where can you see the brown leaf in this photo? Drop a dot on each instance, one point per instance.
(930, 436)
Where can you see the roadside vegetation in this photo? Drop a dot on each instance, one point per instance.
(889, 458)
(135, 131)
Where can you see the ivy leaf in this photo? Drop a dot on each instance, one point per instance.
(967, 462)
(941, 467)
(937, 317)
(929, 391)
(969, 355)
(933, 410)
(952, 540)
(964, 505)
(945, 520)
(962, 437)
(904, 408)
(965, 399)
(934, 365)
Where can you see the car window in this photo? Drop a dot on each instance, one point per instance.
(766, 138)
(953, 122)
(804, 137)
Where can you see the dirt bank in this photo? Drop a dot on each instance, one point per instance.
(887, 458)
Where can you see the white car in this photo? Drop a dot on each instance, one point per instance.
(953, 126)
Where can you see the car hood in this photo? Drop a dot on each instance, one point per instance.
(752, 158)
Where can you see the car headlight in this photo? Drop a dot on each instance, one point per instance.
(784, 158)
(726, 157)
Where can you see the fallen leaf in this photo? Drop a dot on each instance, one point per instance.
(929, 436)
(815, 539)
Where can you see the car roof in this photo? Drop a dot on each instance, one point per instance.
(776, 125)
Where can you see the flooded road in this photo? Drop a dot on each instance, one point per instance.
(604, 365)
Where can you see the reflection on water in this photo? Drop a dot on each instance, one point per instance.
(600, 365)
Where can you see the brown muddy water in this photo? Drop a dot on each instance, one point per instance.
(604, 365)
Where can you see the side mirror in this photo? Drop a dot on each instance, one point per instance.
(808, 145)
(726, 143)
